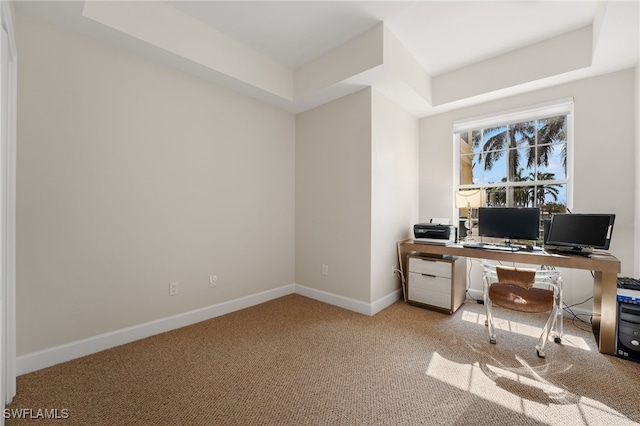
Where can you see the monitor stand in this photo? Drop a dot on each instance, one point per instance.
(580, 251)
(508, 244)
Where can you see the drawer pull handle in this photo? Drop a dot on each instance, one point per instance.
(428, 275)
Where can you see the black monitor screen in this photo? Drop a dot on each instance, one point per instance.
(581, 230)
(509, 222)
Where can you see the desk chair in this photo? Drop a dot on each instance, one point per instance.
(519, 289)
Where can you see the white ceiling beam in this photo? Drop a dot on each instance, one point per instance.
(556, 56)
(163, 26)
(356, 56)
(375, 58)
(406, 67)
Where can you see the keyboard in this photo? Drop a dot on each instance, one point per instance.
(473, 245)
(489, 246)
(500, 247)
(629, 283)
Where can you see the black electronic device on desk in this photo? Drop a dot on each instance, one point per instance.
(573, 233)
(628, 324)
(508, 224)
(434, 233)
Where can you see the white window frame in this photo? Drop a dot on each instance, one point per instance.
(549, 109)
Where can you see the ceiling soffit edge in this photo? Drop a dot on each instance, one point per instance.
(374, 58)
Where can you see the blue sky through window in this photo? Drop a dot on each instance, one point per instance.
(500, 148)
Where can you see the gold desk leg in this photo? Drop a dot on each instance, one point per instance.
(605, 310)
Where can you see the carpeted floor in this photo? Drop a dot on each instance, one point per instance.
(296, 361)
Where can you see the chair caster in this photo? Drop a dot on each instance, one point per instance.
(557, 339)
(486, 323)
(540, 354)
(492, 340)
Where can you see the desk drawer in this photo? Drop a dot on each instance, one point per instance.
(430, 267)
(429, 283)
(433, 298)
(436, 283)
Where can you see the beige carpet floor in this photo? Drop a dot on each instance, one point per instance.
(296, 361)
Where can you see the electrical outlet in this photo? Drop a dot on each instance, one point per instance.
(325, 269)
(213, 280)
(173, 288)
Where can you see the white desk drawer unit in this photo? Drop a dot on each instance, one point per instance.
(437, 283)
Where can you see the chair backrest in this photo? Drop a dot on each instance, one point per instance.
(542, 277)
(519, 277)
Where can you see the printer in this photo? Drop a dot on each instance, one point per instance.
(435, 233)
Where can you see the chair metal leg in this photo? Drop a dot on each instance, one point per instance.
(489, 321)
(559, 332)
(559, 322)
(545, 333)
(554, 322)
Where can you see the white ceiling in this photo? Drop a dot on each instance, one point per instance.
(442, 36)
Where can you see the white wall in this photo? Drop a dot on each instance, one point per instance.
(604, 160)
(394, 188)
(356, 195)
(130, 176)
(333, 196)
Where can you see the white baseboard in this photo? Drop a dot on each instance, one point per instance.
(51, 356)
(348, 303)
(386, 301)
(62, 353)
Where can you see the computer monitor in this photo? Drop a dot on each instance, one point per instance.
(510, 223)
(581, 231)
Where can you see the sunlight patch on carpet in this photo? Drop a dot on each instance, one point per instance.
(522, 389)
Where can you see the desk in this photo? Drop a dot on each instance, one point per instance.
(605, 282)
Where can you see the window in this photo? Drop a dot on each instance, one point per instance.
(520, 159)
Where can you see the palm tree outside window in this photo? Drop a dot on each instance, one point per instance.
(518, 164)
